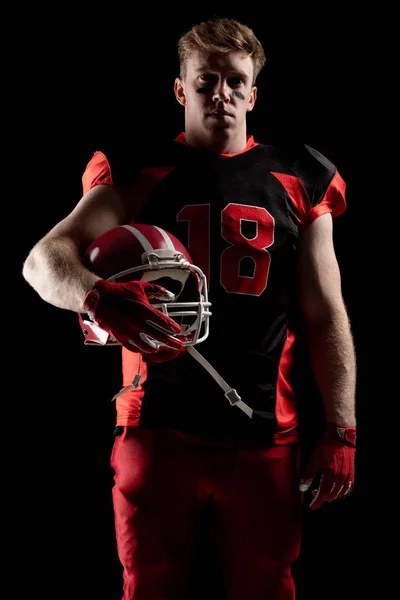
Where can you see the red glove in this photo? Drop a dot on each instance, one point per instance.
(333, 461)
(125, 312)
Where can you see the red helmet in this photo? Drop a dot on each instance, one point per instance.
(149, 253)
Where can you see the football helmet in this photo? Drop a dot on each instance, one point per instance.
(149, 253)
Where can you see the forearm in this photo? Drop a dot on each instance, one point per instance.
(54, 269)
(334, 365)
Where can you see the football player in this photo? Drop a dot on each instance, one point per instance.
(212, 421)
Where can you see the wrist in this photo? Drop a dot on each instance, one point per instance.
(338, 431)
(92, 296)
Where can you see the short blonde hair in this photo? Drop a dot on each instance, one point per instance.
(224, 35)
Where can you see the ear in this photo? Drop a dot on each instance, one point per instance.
(252, 99)
(179, 89)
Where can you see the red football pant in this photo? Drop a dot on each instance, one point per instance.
(163, 482)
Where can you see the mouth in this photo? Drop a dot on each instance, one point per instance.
(219, 114)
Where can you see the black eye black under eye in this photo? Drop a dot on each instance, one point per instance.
(209, 80)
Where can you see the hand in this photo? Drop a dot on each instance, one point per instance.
(333, 461)
(125, 312)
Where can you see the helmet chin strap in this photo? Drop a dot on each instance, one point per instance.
(133, 385)
(231, 394)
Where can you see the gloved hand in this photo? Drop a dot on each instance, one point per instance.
(125, 312)
(332, 462)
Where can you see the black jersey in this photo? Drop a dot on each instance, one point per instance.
(240, 217)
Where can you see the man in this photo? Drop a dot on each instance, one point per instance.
(257, 220)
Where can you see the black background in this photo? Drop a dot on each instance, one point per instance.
(79, 81)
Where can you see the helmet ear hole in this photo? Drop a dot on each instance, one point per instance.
(189, 292)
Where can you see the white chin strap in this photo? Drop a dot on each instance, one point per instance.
(231, 394)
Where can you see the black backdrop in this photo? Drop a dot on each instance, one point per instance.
(86, 80)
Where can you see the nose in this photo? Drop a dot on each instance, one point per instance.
(221, 92)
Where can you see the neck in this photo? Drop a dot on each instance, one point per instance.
(221, 141)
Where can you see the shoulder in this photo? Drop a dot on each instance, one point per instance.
(317, 174)
(120, 165)
(126, 163)
(313, 166)
(301, 160)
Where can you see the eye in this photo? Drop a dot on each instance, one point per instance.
(236, 81)
(207, 77)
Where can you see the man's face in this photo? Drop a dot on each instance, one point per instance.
(217, 91)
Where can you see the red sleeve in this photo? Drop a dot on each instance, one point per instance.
(98, 171)
(334, 201)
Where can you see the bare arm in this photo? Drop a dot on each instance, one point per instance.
(54, 268)
(327, 323)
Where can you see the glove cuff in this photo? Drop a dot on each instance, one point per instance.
(92, 298)
(346, 434)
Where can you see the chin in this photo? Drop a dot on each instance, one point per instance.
(220, 127)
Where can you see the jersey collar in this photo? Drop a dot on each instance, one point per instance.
(181, 138)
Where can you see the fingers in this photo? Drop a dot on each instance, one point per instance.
(317, 495)
(333, 463)
(154, 341)
(158, 321)
(347, 489)
(316, 500)
(329, 490)
(340, 491)
(149, 346)
(137, 300)
(305, 484)
(157, 292)
(310, 472)
(163, 324)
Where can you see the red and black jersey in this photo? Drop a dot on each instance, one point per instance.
(240, 217)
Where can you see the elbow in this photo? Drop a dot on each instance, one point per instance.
(35, 266)
(328, 326)
(323, 315)
(28, 268)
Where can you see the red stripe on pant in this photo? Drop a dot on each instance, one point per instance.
(163, 482)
